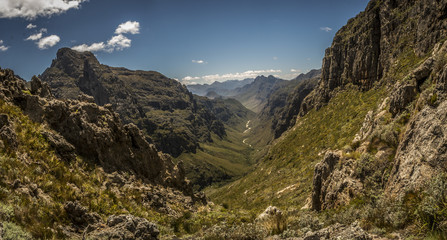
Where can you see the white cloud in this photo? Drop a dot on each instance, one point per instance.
(48, 42)
(30, 26)
(92, 48)
(229, 76)
(199, 61)
(326, 29)
(275, 58)
(128, 27)
(295, 70)
(189, 78)
(118, 42)
(31, 9)
(3, 47)
(34, 37)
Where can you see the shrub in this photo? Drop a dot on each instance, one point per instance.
(11, 231)
(432, 210)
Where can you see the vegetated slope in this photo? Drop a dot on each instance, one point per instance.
(253, 96)
(66, 165)
(226, 88)
(225, 158)
(376, 126)
(162, 107)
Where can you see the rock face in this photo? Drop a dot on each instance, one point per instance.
(122, 227)
(422, 151)
(334, 183)
(366, 48)
(162, 107)
(93, 132)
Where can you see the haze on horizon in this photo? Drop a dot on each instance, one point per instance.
(194, 41)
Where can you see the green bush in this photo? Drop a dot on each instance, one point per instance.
(12, 231)
(432, 210)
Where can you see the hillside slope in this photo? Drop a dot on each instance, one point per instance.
(369, 143)
(162, 107)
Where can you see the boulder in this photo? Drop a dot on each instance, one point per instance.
(122, 227)
(79, 215)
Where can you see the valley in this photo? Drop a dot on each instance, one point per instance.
(354, 150)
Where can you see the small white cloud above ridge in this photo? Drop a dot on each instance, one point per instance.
(91, 48)
(132, 27)
(115, 43)
(31, 9)
(326, 29)
(48, 42)
(295, 70)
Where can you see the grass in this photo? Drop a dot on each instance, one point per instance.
(284, 177)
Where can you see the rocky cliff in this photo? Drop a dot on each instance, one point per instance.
(162, 107)
(381, 42)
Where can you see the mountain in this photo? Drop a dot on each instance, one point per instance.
(163, 108)
(253, 95)
(367, 150)
(221, 88)
(68, 165)
(281, 108)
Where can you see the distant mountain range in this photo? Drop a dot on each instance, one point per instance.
(221, 88)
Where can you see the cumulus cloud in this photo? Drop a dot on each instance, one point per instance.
(3, 47)
(199, 61)
(48, 42)
(115, 43)
(31, 9)
(30, 26)
(128, 27)
(92, 48)
(326, 29)
(230, 76)
(189, 78)
(119, 42)
(295, 70)
(34, 37)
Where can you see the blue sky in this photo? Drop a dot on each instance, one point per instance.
(190, 40)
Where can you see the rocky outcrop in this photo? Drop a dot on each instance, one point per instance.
(93, 132)
(122, 227)
(272, 219)
(8, 137)
(163, 108)
(80, 216)
(334, 182)
(422, 152)
(340, 231)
